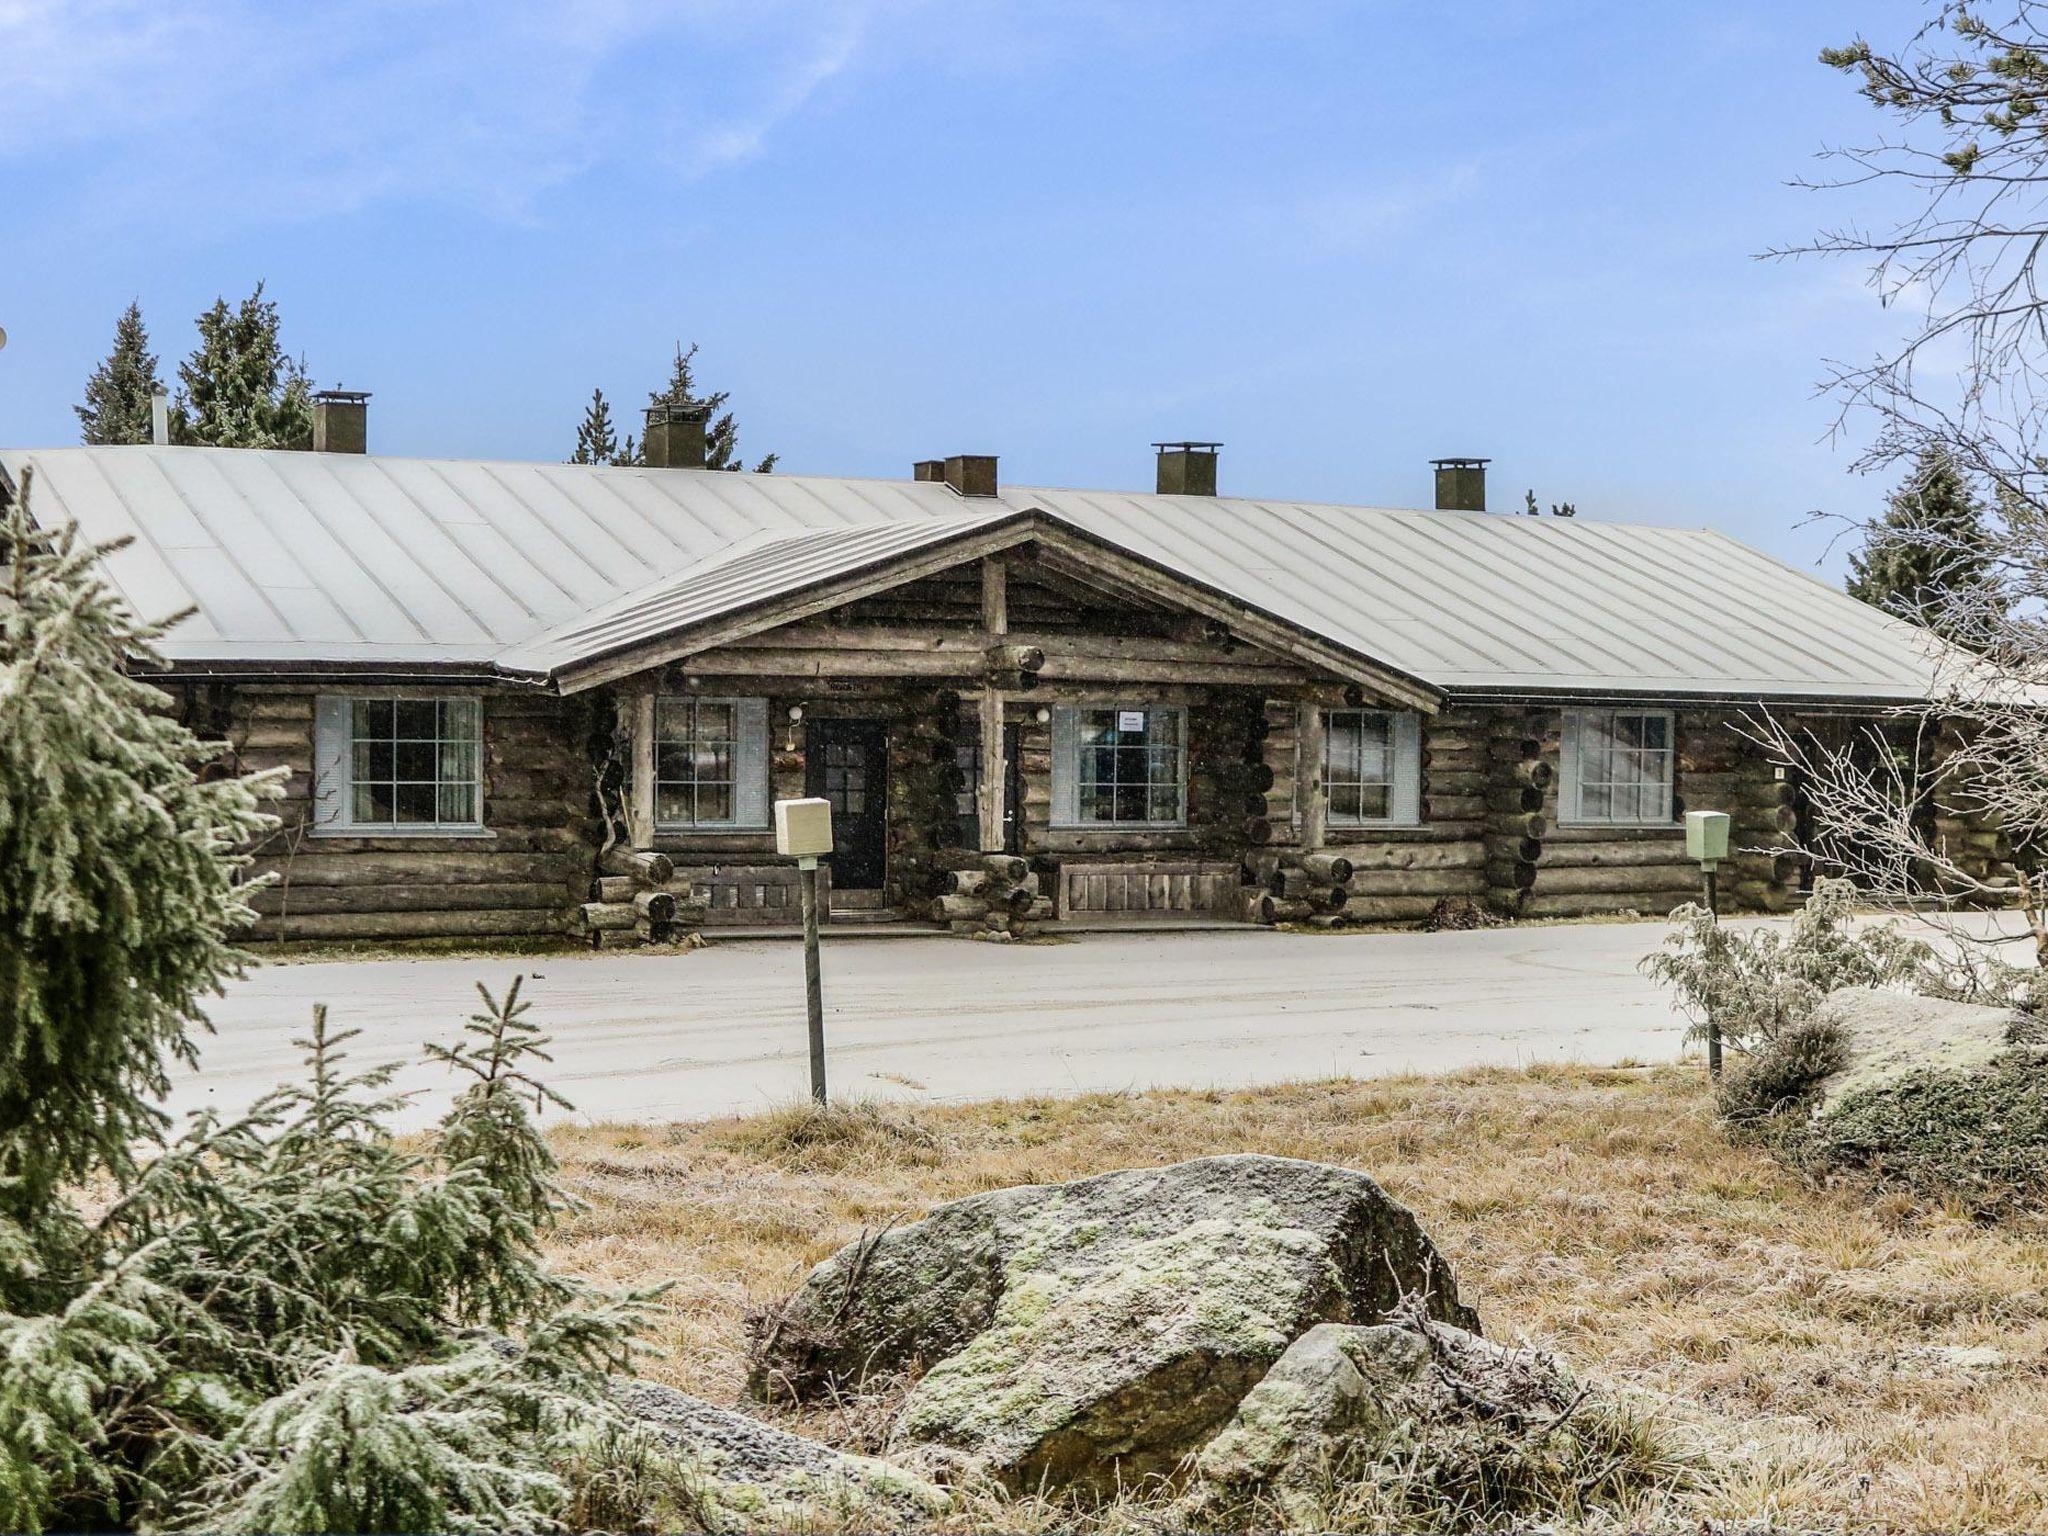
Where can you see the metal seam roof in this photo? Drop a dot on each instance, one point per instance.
(302, 558)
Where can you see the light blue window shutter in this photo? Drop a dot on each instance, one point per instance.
(1404, 805)
(750, 764)
(1066, 766)
(1568, 766)
(333, 762)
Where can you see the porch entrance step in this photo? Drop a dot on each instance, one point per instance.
(859, 901)
(861, 917)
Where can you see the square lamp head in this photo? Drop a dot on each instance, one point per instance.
(1706, 836)
(803, 828)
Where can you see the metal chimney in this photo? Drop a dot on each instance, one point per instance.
(160, 418)
(1461, 484)
(1187, 469)
(341, 421)
(676, 435)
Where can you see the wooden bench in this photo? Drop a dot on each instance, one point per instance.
(1202, 887)
(750, 895)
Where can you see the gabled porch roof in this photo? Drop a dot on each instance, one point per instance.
(771, 580)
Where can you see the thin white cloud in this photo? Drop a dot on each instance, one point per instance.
(254, 112)
(1352, 219)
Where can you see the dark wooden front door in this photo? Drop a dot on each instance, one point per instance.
(846, 762)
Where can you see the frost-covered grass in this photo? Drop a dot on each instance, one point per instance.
(1842, 1359)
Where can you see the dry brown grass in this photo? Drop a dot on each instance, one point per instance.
(1828, 1350)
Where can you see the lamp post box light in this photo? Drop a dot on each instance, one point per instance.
(1706, 840)
(803, 831)
(1706, 837)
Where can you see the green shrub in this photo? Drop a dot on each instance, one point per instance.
(1779, 1073)
(1756, 985)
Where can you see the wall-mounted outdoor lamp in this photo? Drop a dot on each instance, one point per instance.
(1044, 715)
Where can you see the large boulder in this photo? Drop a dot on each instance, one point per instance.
(746, 1475)
(1946, 1098)
(1887, 1036)
(1094, 1333)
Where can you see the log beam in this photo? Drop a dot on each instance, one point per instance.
(640, 813)
(989, 799)
(1315, 811)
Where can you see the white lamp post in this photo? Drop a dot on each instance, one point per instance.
(1706, 839)
(803, 831)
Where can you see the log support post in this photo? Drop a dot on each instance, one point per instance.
(995, 618)
(1315, 810)
(640, 725)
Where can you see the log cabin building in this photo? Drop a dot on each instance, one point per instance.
(524, 698)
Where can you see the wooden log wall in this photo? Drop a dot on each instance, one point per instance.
(524, 878)
(924, 783)
(1396, 874)
(1228, 776)
(1580, 871)
(1721, 767)
(1518, 800)
(1961, 828)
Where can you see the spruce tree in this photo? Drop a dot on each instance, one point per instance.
(596, 440)
(1929, 559)
(269, 1326)
(117, 396)
(722, 435)
(121, 867)
(239, 388)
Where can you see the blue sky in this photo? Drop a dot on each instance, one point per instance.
(1343, 238)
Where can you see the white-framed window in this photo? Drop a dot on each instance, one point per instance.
(399, 765)
(1122, 765)
(710, 762)
(1372, 767)
(1616, 768)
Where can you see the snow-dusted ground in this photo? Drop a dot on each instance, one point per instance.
(663, 1037)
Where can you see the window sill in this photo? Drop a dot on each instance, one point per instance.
(471, 833)
(1621, 826)
(1119, 826)
(714, 829)
(1373, 826)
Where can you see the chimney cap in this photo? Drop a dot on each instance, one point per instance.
(1189, 445)
(1461, 461)
(341, 396)
(679, 410)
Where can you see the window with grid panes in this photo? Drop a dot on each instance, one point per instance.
(696, 762)
(1617, 767)
(413, 763)
(1358, 765)
(1133, 767)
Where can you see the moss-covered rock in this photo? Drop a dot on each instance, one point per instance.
(1947, 1098)
(1094, 1333)
(1337, 1387)
(1890, 1035)
(744, 1475)
(1413, 1424)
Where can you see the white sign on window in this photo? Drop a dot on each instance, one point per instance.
(1130, 720)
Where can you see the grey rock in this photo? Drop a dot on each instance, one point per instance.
(1892, 1034)
(1342, 1394)
(751, 1475)
(1094, 1333)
